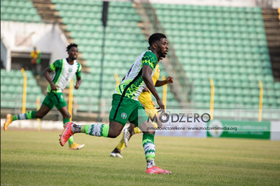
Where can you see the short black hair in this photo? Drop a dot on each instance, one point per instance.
(70, 46)
(155, 37)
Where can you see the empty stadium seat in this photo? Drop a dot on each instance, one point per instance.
(21, 11)
(124, 42)
(227, 44)
(12, 89)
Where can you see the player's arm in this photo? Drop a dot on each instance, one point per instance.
(78, 76)
(78, 82)
(166, 81)
(146, 75)
(46, 73)
(145, 90)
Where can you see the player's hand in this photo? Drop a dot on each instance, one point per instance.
(161, 106)
(146, 90)
(77, 85)
(169, 80)
(143, 106)
(159, 123)
(54, 87)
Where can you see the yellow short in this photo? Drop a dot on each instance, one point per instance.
(146, 99)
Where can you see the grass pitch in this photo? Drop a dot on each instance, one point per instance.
(36, 158)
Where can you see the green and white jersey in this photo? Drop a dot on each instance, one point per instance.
(133, 84)
(64, 73)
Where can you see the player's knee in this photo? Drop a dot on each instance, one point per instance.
(113, 133)
(149, 132)
(67, 115)
(131, 129)
(39, 115)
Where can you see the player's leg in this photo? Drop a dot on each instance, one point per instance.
(66, 118)
(61, 105)
(28, 115)
(140, 119)
(151, 112)
(65, 115)
(149, 149)
(128, 132)
(111, 131)
(119, 114)
(131, 130)
(148, 130)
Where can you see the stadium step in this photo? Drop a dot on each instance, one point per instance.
(49, 14)
(47, 10)
(271, 18)
(150, 24)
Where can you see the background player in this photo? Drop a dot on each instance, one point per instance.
(125, 104)
(64, 70)
(145, 98)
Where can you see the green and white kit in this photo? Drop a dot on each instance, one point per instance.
(125, 104)
(64, 72)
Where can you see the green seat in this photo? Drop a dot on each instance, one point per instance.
(8, 104)
(277, 85)
(31, 105)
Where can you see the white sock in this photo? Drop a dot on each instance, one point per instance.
(76, 128)
(150, 164)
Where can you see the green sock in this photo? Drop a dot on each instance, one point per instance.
(149, 146)
(83, 128)
(71, 139)
(65, 120)
(27, 115)
(96, 130)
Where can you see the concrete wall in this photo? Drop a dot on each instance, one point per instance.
(4, 54)
(22, 37)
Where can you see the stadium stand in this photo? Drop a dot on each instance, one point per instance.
(86, 28)
(272, 29)
(12, 88)
(227, 44)
(12, 82)
(19, 10)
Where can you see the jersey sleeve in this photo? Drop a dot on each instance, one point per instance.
(150, 59)
(55, 65)
(79, 71)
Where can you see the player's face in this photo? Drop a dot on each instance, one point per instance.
(163, 47)
(73, 53)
